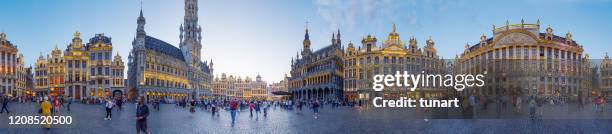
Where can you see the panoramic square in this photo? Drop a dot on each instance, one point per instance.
(307, 66)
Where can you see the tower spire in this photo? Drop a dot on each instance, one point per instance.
(338, 40)
(141, 22)
(191, 42)
(306, 36)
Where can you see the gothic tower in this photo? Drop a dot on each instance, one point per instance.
(191, 36)
(306, 43)
(140, 32)
(136, 58)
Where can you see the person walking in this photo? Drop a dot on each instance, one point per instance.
(192, 104)
(315, 108)
(519, 104)
(142, 111)
(532, 108)
(5, 101)
(299, 106)
(109, 109)
(119, 103)
(56, 105)
(472, 106)
(265, 106)
(213, 109)
(157, 104)
(68, 105)
(257, 109)
(233, 108)
(45, 110)
(251, 107)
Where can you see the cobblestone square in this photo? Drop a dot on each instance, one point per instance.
(173, 119)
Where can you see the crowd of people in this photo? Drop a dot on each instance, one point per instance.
(257, 108)
(504, 103)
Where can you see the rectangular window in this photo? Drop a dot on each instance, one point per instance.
(99, 56)
(542, 51)
(107, 71)
(497, 54)
(92, 56)
(107, 55)
(360, 61)
(549, 54)
(511, 52)
(376, 60)
(386, 60)
(562, 54)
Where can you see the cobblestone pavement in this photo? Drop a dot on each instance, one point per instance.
(171, 119)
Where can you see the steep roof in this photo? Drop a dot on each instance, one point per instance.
(163, 47)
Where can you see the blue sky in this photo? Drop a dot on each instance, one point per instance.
(249, 37)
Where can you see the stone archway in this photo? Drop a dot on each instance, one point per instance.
(117, 93)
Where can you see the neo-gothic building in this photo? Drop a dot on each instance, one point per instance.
(160, 70)
(82, 71)
(520, 60)
(369, 59)
(318, 74)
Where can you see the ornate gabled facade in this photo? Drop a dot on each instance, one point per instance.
(318, 74)
(259, 88)
(12, 70)
(606, 76)
(281, 86)
(117, 69)
(279, 90)
(160, 70)
(82, 71)
(41, 78)
(77, 76)
(369, 59)
(520, 60)
(236, 87)
(56, 72)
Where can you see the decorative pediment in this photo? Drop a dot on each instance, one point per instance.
(516, 38)
(394, 48)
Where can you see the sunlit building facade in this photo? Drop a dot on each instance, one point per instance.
(56, 73)
(520, 60)
(369, 59)
(12, 70)
(22, 77)
(77, 76)
(279, 90)
(82, 71)
(281, 86)
(41, 86)
(606, 76)
(318, 74)
(236, 87)
(157, 69)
